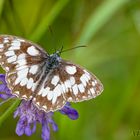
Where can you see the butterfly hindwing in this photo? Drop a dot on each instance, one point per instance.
(50, 96)
(67, 83)
(78, 83)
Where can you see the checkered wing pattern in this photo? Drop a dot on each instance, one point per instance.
(50, 96)
(67, 83)
(79, 84)
(24, 63)
(49, 83)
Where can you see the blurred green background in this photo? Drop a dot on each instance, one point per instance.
(111, 31)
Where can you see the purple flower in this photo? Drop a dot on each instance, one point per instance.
(5, 92)
(70, 112)
(29, 115)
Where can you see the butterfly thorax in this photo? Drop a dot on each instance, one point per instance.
(53, 61)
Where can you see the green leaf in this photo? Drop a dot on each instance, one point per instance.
(1, 6)
(9, 111)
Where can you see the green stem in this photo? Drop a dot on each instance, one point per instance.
(1, 6)
(47, 20)
(9, 111)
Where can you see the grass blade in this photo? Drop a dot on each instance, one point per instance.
(9, 111)
(48, 19)
(99, 18)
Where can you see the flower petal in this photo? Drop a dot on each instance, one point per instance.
(20, 128)
(70, 112)
(45, 131)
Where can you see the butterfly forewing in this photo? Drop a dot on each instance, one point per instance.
(24, 63)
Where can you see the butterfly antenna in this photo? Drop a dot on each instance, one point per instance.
(54, 39)
(73, 48)
(5, 101)
(61, 49)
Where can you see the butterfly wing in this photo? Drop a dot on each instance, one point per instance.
(50, 96)
(67, 83)
(24, 63)
(78, 83)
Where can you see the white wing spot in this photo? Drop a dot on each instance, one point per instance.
(9, 53)
(75, 89)
(30, 97)
(87, 75)
(89, 93)
(34, 86)
(21, 40)
(1, 46)
(50, 95)
(81, 88)
(7, 68)
(24, 82)
(6, 40)
(12, 59)
(67, 85)
(21, 67)
(72, 80)
(63, 88)
(54, 98)
(16, 92)
(45, 91)
(84, 79)
(23, 72)
(92, 90)
(20, 75)
(71, 69)
(33, 69)
(40, 91)
(24, 96)
(70, 99)
(93, 83)
(30, 83)
(15, 45)
(38, 103)
(32, 51)
(45, 107)
(58, 90)
(84, 97)
(21, 62)
(55, 80)
(21, 56)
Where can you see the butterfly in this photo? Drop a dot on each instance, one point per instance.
(47, 80)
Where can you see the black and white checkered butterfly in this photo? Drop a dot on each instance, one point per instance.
(47, 80)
